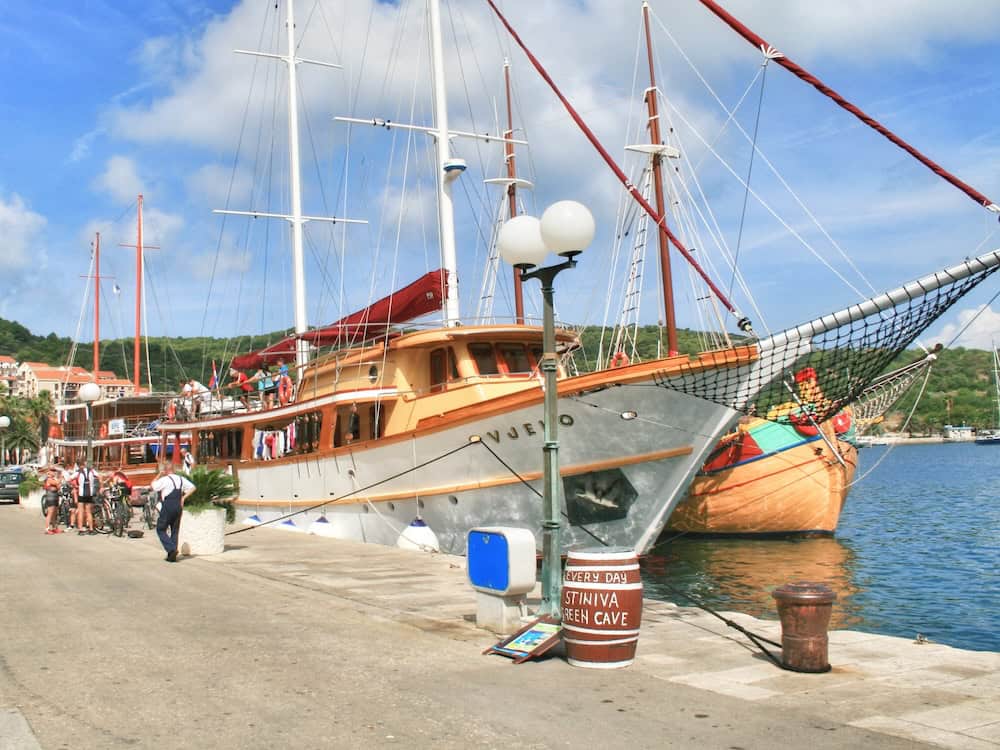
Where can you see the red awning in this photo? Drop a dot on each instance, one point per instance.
(423, 296)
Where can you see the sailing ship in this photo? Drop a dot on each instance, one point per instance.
(119, 430)
(992, 436)
(444, 424)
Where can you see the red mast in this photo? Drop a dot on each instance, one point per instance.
(666, 277)
(508, 149)
(138, 296)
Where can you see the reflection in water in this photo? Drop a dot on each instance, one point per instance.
(740, 574)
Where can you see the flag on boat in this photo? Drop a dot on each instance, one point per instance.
(215, 377)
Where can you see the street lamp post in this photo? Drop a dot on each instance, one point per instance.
(88, 393)
(566, 228)
(4, 424)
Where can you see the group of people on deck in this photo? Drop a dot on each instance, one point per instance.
(273, 385)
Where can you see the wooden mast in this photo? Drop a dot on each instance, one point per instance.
(138, 297)
(512, 189)
(657, 158)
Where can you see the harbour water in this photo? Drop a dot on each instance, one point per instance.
(917, 552)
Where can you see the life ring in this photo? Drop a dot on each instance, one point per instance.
(284, 390)
(103, 431)
(620, 359)
(841, 422)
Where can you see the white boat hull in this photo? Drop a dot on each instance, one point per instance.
(622, 478)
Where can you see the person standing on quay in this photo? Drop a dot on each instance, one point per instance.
(50, 501)
(87, 487)
(173, 490)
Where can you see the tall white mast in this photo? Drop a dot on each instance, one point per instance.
(448, 169)
(295, 218)
(298, 265)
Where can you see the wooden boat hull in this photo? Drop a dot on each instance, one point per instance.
(799, 489)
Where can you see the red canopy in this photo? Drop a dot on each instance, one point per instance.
(419, 298)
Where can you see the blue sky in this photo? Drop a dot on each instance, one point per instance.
(106, 99)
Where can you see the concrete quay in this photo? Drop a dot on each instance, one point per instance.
(292, 641)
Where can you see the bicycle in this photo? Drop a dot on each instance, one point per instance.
(122, 510)
(149, 512)
(112, 512)
(65, 504)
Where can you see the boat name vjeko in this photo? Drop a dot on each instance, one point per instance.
(566, 420)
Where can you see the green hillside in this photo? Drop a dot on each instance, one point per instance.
(171, 360)
(962, 379)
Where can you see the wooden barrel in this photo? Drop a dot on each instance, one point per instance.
(601, 607)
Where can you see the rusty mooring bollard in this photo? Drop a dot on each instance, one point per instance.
(804, 609)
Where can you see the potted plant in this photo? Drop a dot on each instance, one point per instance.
(30, 490)
(206, 511)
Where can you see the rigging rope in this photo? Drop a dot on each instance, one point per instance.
(746, 193)
(806, 76)
(660, 220)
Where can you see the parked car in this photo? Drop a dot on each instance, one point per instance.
(10, 481)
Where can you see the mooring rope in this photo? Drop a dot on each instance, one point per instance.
(360, 490)
(755, 638)
(352, 493)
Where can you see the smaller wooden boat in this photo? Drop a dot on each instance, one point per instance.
(786, 474)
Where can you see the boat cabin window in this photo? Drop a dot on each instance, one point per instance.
(213, 444)
(443, 368)
(219, 444)
(485, 358)
(536, 353)
(516, 358)
(367, 423)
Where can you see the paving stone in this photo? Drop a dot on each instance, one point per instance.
(900, 728)
(957, 717)
(988, 732)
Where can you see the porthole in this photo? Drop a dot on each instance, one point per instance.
(392, 507)
(373, 373)
(452, 499)
(420, 504)
(366, 509)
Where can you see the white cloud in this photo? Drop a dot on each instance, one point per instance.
(21, 230)
(864, 32)
(217, 186)
(161, 228)
(197, 93)
(983, 330)
(120, 179)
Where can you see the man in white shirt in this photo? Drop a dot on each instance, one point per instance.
(87, 487)
(200, 396)
(174, 490)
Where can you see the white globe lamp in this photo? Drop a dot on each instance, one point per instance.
(521, 243)
(89, 392)
(567, 228)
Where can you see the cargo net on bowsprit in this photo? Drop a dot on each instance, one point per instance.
(813, 372)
